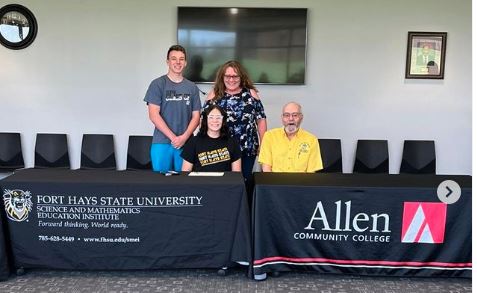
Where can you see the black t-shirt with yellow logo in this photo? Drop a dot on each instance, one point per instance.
(211, 154)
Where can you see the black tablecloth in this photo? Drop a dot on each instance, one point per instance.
(97, 219)
(4, 262)
(361, 224)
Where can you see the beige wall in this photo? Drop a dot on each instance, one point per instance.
(92, 60)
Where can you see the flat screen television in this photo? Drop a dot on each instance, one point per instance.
(269, 42)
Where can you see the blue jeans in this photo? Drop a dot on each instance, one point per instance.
(164, 158)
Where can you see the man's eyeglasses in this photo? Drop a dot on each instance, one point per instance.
(233, 77)
(293, 115)
(215, 117)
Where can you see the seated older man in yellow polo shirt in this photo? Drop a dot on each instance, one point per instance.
(290, 149)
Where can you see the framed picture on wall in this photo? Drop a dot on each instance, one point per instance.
(426, 55)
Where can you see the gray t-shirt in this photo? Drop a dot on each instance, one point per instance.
(177, 102)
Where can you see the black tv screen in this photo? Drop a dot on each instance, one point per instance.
(269, 42)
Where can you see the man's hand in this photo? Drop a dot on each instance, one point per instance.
(179, 141)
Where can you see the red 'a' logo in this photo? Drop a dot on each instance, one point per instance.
(424, 222)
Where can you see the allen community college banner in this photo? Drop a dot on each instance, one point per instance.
(367, 231)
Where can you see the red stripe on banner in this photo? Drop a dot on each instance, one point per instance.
(367, 262)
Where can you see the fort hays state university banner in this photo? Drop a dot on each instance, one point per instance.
(100, 219)
(378, 230)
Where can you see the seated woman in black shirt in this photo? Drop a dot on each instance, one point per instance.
(212, 149)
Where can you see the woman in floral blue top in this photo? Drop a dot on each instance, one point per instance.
(235, 93)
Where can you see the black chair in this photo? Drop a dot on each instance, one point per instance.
(97, 152)
(371, 157)
(11, 155)
(331, 155)
(418, 157)
(139, 149)
(51, 151)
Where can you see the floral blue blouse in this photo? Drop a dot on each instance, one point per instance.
(243, 111)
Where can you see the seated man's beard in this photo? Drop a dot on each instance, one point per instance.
(291, 128)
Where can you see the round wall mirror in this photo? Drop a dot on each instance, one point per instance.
(18, 26)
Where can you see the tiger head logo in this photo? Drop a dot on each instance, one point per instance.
(17, 204)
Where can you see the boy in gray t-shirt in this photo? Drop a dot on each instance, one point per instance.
(174, 104)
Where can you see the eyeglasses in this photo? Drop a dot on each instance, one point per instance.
(215, 117)
(233, 77)
(293, 115)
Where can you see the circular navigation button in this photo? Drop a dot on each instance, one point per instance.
(448, 191)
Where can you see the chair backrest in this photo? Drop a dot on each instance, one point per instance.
(97, 152)
(11, 155)
(372, 156)
(418, 157)
(139, 149)
(331, 156)
(51, 151)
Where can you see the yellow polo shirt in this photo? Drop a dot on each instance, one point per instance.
(301, 154)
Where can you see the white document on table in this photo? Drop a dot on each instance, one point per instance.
(206, 174)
